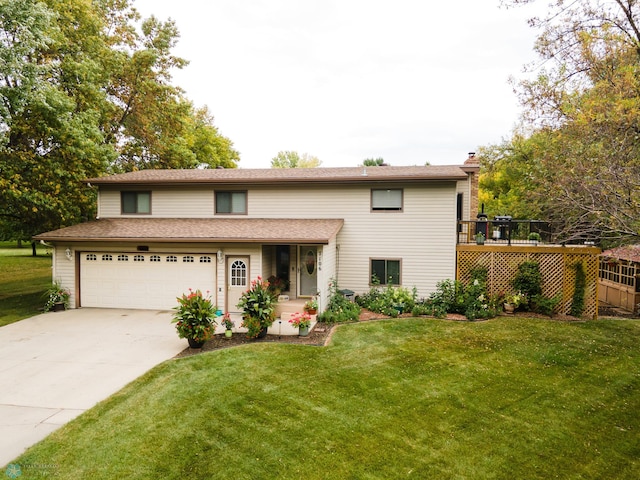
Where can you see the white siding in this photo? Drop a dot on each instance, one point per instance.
(193, 202)
(422, 235)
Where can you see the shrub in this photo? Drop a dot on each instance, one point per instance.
(388, 300)
(477, 301)
(195, 316)
(528, 280)
(258, 304)
(448, 297)
(544, 305)
(339, 308)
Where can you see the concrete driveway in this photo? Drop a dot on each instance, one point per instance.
(56, 365)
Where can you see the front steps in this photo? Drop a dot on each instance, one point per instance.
(281, 326)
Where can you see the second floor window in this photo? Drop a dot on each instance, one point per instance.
(136, 202)
(386, 200)
(234, 203)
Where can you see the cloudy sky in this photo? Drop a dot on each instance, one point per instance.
(411, 81)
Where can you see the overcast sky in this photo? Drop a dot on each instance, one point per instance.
(412, 81)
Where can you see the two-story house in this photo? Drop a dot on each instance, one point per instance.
(160, 232)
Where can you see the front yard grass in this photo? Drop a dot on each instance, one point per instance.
(419, 398)
(23, 281)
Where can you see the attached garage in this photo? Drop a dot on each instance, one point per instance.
(146, 263)
(142, 280)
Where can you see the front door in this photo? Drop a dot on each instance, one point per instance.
(308, 271)
(237, 281)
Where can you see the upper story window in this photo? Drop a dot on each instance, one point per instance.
(136, 202)
(231, 203)
(384, 200)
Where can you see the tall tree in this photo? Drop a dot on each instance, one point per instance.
(85, 92)
(291, 159)
(585, 103)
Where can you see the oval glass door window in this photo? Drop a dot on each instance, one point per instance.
(310, 262)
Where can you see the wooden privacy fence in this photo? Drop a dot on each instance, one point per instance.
(557, 266)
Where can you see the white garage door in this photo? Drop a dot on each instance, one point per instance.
(143, 280)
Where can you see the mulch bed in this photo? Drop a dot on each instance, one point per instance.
(321, 333)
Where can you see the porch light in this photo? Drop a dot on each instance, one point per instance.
(67, 252)
(220, 256)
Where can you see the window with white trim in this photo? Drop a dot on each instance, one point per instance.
(386, 200)
(172, 259)
(92, 257)
(154, 258)
(138, 258)
(107, 257)
(385, 271)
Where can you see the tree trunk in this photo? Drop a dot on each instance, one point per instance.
(33, 249)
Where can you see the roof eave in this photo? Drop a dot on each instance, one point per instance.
(274, 241)
(286, 181)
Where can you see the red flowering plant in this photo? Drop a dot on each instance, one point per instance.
(259, 307)
(227, 323)
(195, 316)
(300, 320)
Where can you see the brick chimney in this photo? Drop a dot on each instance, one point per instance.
(472, 168)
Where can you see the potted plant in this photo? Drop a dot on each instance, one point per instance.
(57, 298)
(195, 318)
(277, 285)
(535, 237)
(258, 305)
(302, 321)
(513, 301)
(480, 238)
(227, 323)
(311, 307)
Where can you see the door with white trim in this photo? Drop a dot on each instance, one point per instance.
(308, 271)
(237, 281)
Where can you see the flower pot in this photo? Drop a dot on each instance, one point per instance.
(263, 333)
(509, 308)
(311, 311)
(195, 343)
(228, 333)
(58, 307)
(303, 331)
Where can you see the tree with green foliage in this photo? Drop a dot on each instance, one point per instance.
(584, 106)
(84, 92)
(509, 178)
(373, 162)
(292, 159)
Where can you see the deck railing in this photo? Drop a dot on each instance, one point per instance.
(505, 231)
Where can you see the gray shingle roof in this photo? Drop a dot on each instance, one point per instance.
(286, 175)
(227, 230)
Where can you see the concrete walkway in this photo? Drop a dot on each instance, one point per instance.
(56, 365)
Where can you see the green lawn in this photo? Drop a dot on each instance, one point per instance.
(508, 398)
(23, 281)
